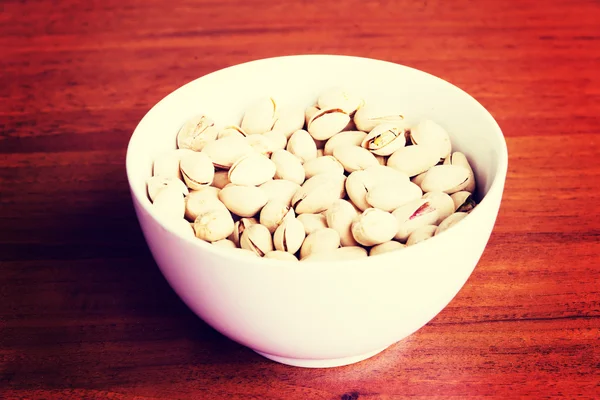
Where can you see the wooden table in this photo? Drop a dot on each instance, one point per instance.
(84, 311)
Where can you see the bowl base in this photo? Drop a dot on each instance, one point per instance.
(318, 363)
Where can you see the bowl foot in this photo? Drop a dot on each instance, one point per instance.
(317, 363)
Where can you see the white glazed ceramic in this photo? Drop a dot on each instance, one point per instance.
(321, 314)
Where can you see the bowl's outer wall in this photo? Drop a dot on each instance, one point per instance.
(318, 311)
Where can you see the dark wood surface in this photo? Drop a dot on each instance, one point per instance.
(84, 311)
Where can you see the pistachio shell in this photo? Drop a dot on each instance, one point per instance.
(257, 238)
(429, 133)
(231, 130)
(339, 254)
(197, 170)
(412, 216)
(450, 222)
(318, 193)
(302, 145)
(312, 222)
(239, 227)
(354, 158)
(445, 178)
(309, 112)
(370, 115)
(327, 122)
(261, 144)
(357, 187)
(413, 160)
(354, 138)
(458, 158)
(463, 201)
(224, 152)
(244, 252)
(420, 234)
(167, 164)
(389, 197)
(277, 140)
(385, 174)
(273, 214)
(418, 179)
(321, 240)
(336, 97)
(221, 179)
(213, 225)
(260, 116)
(290, 119)
(321, 165)
(384, 139)
(386, 247)
(288, 166)
(169, 203)
(244, 201)
(340, 216)
(289, 236)
(441, 202)
(252, 170)
(180, 226)
(196, 133)
(280, 189)
(374, 227)
(225, 243)
(158, 183)
(281, 255)
(201, 201)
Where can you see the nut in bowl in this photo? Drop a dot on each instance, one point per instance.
(342, 210)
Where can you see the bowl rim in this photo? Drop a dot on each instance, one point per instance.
(496, 186)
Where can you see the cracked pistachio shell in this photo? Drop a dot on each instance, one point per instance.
(458, 158)
(354, 138)
(359, 183)
(413, 160)
(213, 225)
(412, 216)
(169, 203)
(201, 201)
(420, 234)
(290, 119)
(442, 202)
(167, 163)
(197, 170)
(340, 216)
(336, 97)
(156, 184)
(281, 255)
(309, 112)
(318, 193)
(257, 238)
(221, 179)
(450, 222)
(289, 236)
(180, 226)
(322, 165)
(288, 166)
(445, 178)
(280, 190)
(226, 243)
(231, 130)
(370, 115)
(224, 152)
(239, 227)
(374, 227)
(273, 214)
(302, 145)
(252, 170)
(389, 197)
(244, 201)
(321, 240)
(260, 116)
(339, 254)
(463, 201)
(354, 158)
(277, 140)
(385, 139)
(386, 247)
(429, 133)
(312, 222)
(327, 122)
(196, 133)
(261, 144)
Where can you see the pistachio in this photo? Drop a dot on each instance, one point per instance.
(179, 226)
(260, 116)
(167, 164)
(244, 252)
(239, 227)
(386, 247)
(312, 222)
(245, 201)
(196, 133)
(412, 216)
(288, 166)
(158, 183)
(418, 179)
(382, 160)
(224, 152)
(273, 214)
(441, 202)
(340, 216)
(225, 243)
(429, 133)
(445, 178)
(320, 153)
(354, 138)
(321, 165)
(289, 236)
(277, 140)
(374, 227)
(385, 174)
(261, 144)
(420, 234)
(290, 120)
(169, 203)
(321, 240)
(359, 183)
(463, 201)
(213, 225)
(197, 170)
(221, 179)
(280, 189)
(389, 197)
(339, 254)
(337, 97)
(201, 201)
(458, 158)
(413, 160)
(231, 130)
(302, 145)
(318, 193)
(354, 158)
(281, 255)
(309, 112)
(327, 122)
(258, 239)
(370, 115)
(252, 170)
(450, 221)
(384, 139)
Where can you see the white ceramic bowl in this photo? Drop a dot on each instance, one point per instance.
(321, 314)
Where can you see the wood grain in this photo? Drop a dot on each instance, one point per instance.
(84, 312)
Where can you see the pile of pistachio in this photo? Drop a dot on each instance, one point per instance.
(341, 179)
